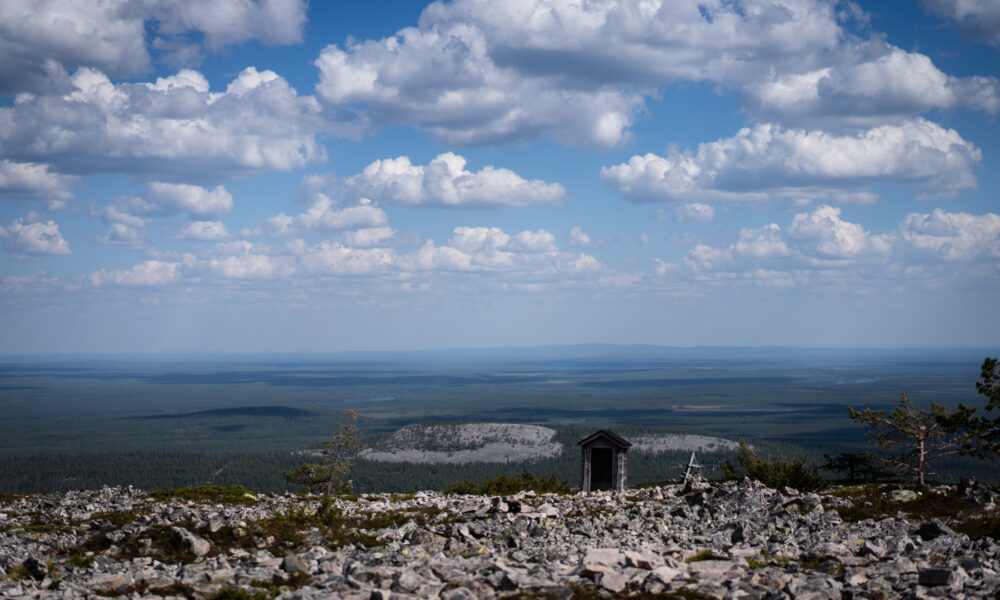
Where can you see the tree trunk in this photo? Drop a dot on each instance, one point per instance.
(920, 463)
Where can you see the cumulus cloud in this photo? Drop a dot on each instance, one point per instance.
(146, 274)
(41, 37)
(488, 249)
(170, 198)
(324, 214)
(695, 211)
(174, 128)
(868, 89)
(485, 250)
(481, 72)
(821, 243)
(36, 182)
(770, 161)
(445, 182)
(31, 236)
(367, 237)
(977, 19)
(337, 259)
(823, 234)
(535, 241)
(204, 231)
(442, 79)
(953, 236)
(127, 216)
(579, 239)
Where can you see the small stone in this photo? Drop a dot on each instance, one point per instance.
(408, 582)
(459, 593)
(643, 560)
(714, 569)
(295, 565)
(665, 574)
(36, 568)
(872, 548)
(613, 582)
(189, 541)
(936, 576)
(931, 530)
(601, 559)
(903, 495)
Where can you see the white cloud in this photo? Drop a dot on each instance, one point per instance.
(39, 37)
(480, 72)
(585, 263)
(229, 22)
(123, 233)
(368, 237)
(695, 211)
(865, 90)
(977, 19)
(127, 216)
(337, 259)
(822, 246)
(762, 243)
(171, 198)
(534, 241)
(442, 79)
(579, 239)
(823, 234)
(149, 273)
(204, 231)
(30, 236)
(430, 257)
(36, 182)
(953, 236)
(445, 182)
(174, 128)
(767, 160)
(324, 214)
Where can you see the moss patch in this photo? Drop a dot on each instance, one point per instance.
(215, 494)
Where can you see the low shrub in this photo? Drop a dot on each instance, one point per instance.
(503, 485)
(234, 494)
(775, 473)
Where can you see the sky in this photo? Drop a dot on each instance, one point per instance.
(275, 176)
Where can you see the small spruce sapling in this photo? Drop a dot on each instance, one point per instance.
(329, 475)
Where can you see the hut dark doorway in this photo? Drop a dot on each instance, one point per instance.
(601, 468)
(604, 457)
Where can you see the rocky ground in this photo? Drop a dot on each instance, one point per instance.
(731, 540)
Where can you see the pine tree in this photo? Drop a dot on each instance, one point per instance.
(908, 440)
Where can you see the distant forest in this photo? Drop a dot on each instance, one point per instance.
(81, 423)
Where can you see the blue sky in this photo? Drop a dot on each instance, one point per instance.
(274, 176)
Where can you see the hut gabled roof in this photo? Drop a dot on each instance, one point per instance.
(607, 434)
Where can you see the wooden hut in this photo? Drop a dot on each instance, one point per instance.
(605, 461)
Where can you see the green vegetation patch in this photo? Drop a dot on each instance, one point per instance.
(18, 572)
(502, 485)
(231, 593)
(703, 555)
(338, 529)
(984, 527)
(216, 494)
(581, 592)
(874, 501)
(775, 473)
